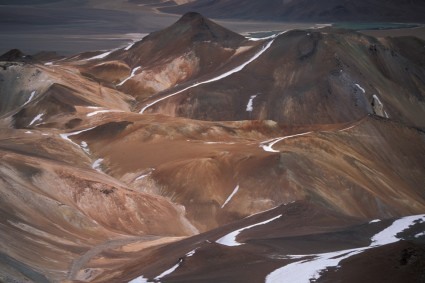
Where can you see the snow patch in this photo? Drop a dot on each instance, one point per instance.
(145, 175)
(30, 98)
(169, 271)
(379, 109)
(191, 253)
(264, 38)
(101, 56)
(133, 73)
(362, 89)
(28, 132)
(377, 99)
(375, 221)
(91, 114)
(249, 106)
(216, 142)
(226, 74)
(36, 118)
(66, 136)
(235, 190)
(346, 129)
(312, 265)
(268, 145)
(388, 235)
(85, 147)
(422, 234)
(129, 46)
(230, 239)
(97, 165)
(140, 279)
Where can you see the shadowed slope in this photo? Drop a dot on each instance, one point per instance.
(314, 77)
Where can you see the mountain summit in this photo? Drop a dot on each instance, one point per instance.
(189, 48)
(193, 27)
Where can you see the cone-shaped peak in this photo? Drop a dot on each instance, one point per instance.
(193, 27)
(191, 17)
(12, 55)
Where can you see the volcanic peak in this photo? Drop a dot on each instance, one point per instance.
(194, 27)
(13, 55)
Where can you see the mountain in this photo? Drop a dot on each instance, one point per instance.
(308, 10)
(191, 47)
(314, 77)
(200, 155)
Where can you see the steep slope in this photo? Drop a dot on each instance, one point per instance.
(312, 77)
(308, 10)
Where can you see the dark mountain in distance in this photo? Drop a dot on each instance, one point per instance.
(309, 10)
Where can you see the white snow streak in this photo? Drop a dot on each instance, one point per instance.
(231, 196)
(388, 235)
(230, 239)
(28, 132)
(85, 147)
(142, 176)
(268, 145)
(102, 111)
(66, 136)
(362, 89)
(145, 175)
(129, 46)
(30, 98)
(249, 106)
(169, 271)
(376, 98)
(263, 38)
(140, 279)
(101, 56)
(420, 235)
(217, 142)
(310, 268)
(133, 73)
(375, 221)
(36, 118)
(97, 165)
(226, 74)
(346, 129)
(191, 253)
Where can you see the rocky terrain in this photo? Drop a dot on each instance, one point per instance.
(200, 155)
